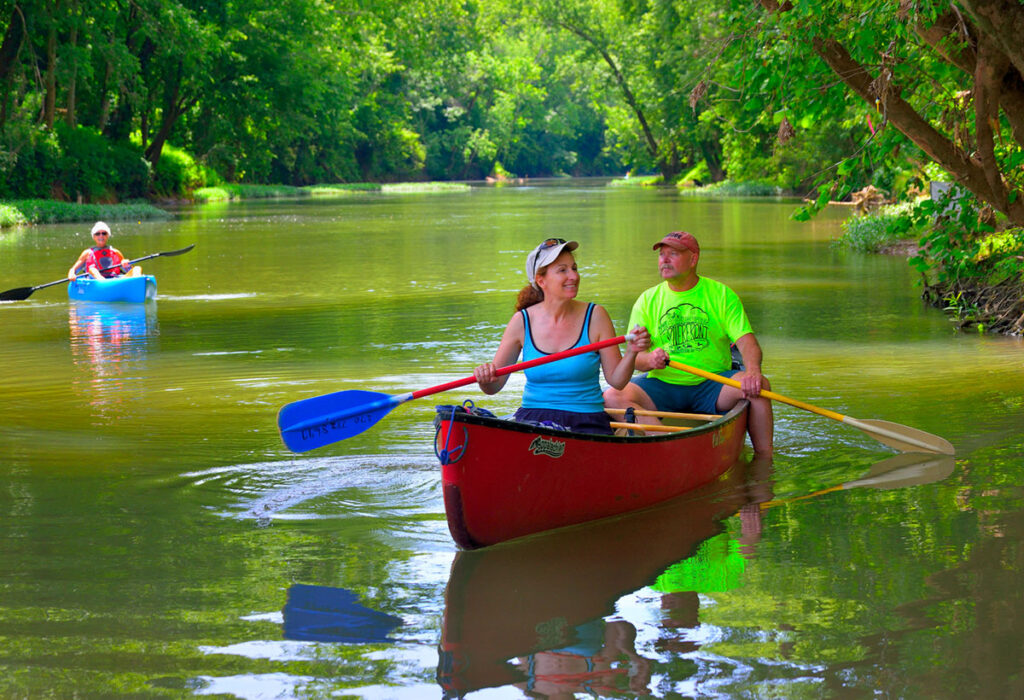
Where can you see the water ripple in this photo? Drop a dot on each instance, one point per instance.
(365, 485)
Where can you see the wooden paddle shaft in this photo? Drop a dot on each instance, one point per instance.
(920, 439)
(764, 392)
(644, 427)
(665, 414)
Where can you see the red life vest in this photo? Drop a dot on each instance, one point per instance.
(106, 259)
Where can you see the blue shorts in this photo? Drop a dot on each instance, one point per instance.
(598, 423)
(684, 398)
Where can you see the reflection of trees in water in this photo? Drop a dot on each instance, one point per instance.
(721, 622)
(964, 640)
(109, 344)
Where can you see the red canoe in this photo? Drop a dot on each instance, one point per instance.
(504, 480)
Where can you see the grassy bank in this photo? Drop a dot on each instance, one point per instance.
(727, 189)
(231, 193)
(881, 230)
(23, 212)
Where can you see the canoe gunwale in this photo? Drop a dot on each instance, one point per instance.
(507, 424)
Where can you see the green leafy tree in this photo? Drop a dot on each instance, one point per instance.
(946, 76)
(604, 34)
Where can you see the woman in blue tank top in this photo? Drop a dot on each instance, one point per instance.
(550, 319)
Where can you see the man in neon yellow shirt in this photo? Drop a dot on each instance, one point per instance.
(694, 320)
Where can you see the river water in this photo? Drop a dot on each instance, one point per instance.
(158, 540)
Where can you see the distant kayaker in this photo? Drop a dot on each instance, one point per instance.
(549, 319)
(101, 260)
(693, 320)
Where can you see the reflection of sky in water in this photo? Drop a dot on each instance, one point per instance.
(109, 343)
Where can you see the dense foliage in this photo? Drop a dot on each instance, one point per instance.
(300, 92)
(113, 100)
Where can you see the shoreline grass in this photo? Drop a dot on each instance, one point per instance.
(424, 187)
(26, 212)
(727, 188)
(235, 193)
(878, 230)
(638, 181)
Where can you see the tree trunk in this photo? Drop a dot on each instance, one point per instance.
(968, 172)
(712, 153)
(669, 167)
(174, 106)
(117, 123)
(104, 117)
(944, 37)
(50, 78)
(1003, 22)
(70, 117)
(14, 37)
(72, 84)
(11, 46)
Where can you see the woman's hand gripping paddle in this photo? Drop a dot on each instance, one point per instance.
(900, 437)
(311, 423)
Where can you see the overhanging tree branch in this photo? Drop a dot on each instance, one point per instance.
(977, 172)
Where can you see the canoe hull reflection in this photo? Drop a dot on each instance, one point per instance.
(533, 594)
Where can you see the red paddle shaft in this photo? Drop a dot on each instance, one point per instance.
(524, 365)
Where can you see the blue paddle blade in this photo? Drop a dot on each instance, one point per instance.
(311, 423)
(324, 614)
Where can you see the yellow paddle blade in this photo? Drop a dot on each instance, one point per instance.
(902, 437)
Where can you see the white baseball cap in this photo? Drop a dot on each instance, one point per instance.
(545, 254)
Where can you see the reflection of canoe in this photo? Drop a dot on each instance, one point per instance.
(122, 289)
(113, 325)
(530, 595)
(503, 480)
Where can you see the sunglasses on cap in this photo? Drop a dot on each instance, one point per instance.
(549, 243)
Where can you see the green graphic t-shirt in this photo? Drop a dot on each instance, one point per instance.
(695, 327)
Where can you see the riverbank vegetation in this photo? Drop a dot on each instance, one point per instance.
(111, 101)
(20, 212)
(226, 193)
(969, 266)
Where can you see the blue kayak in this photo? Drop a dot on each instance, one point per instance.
(135, 290)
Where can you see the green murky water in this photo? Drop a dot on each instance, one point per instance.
(157, 540)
